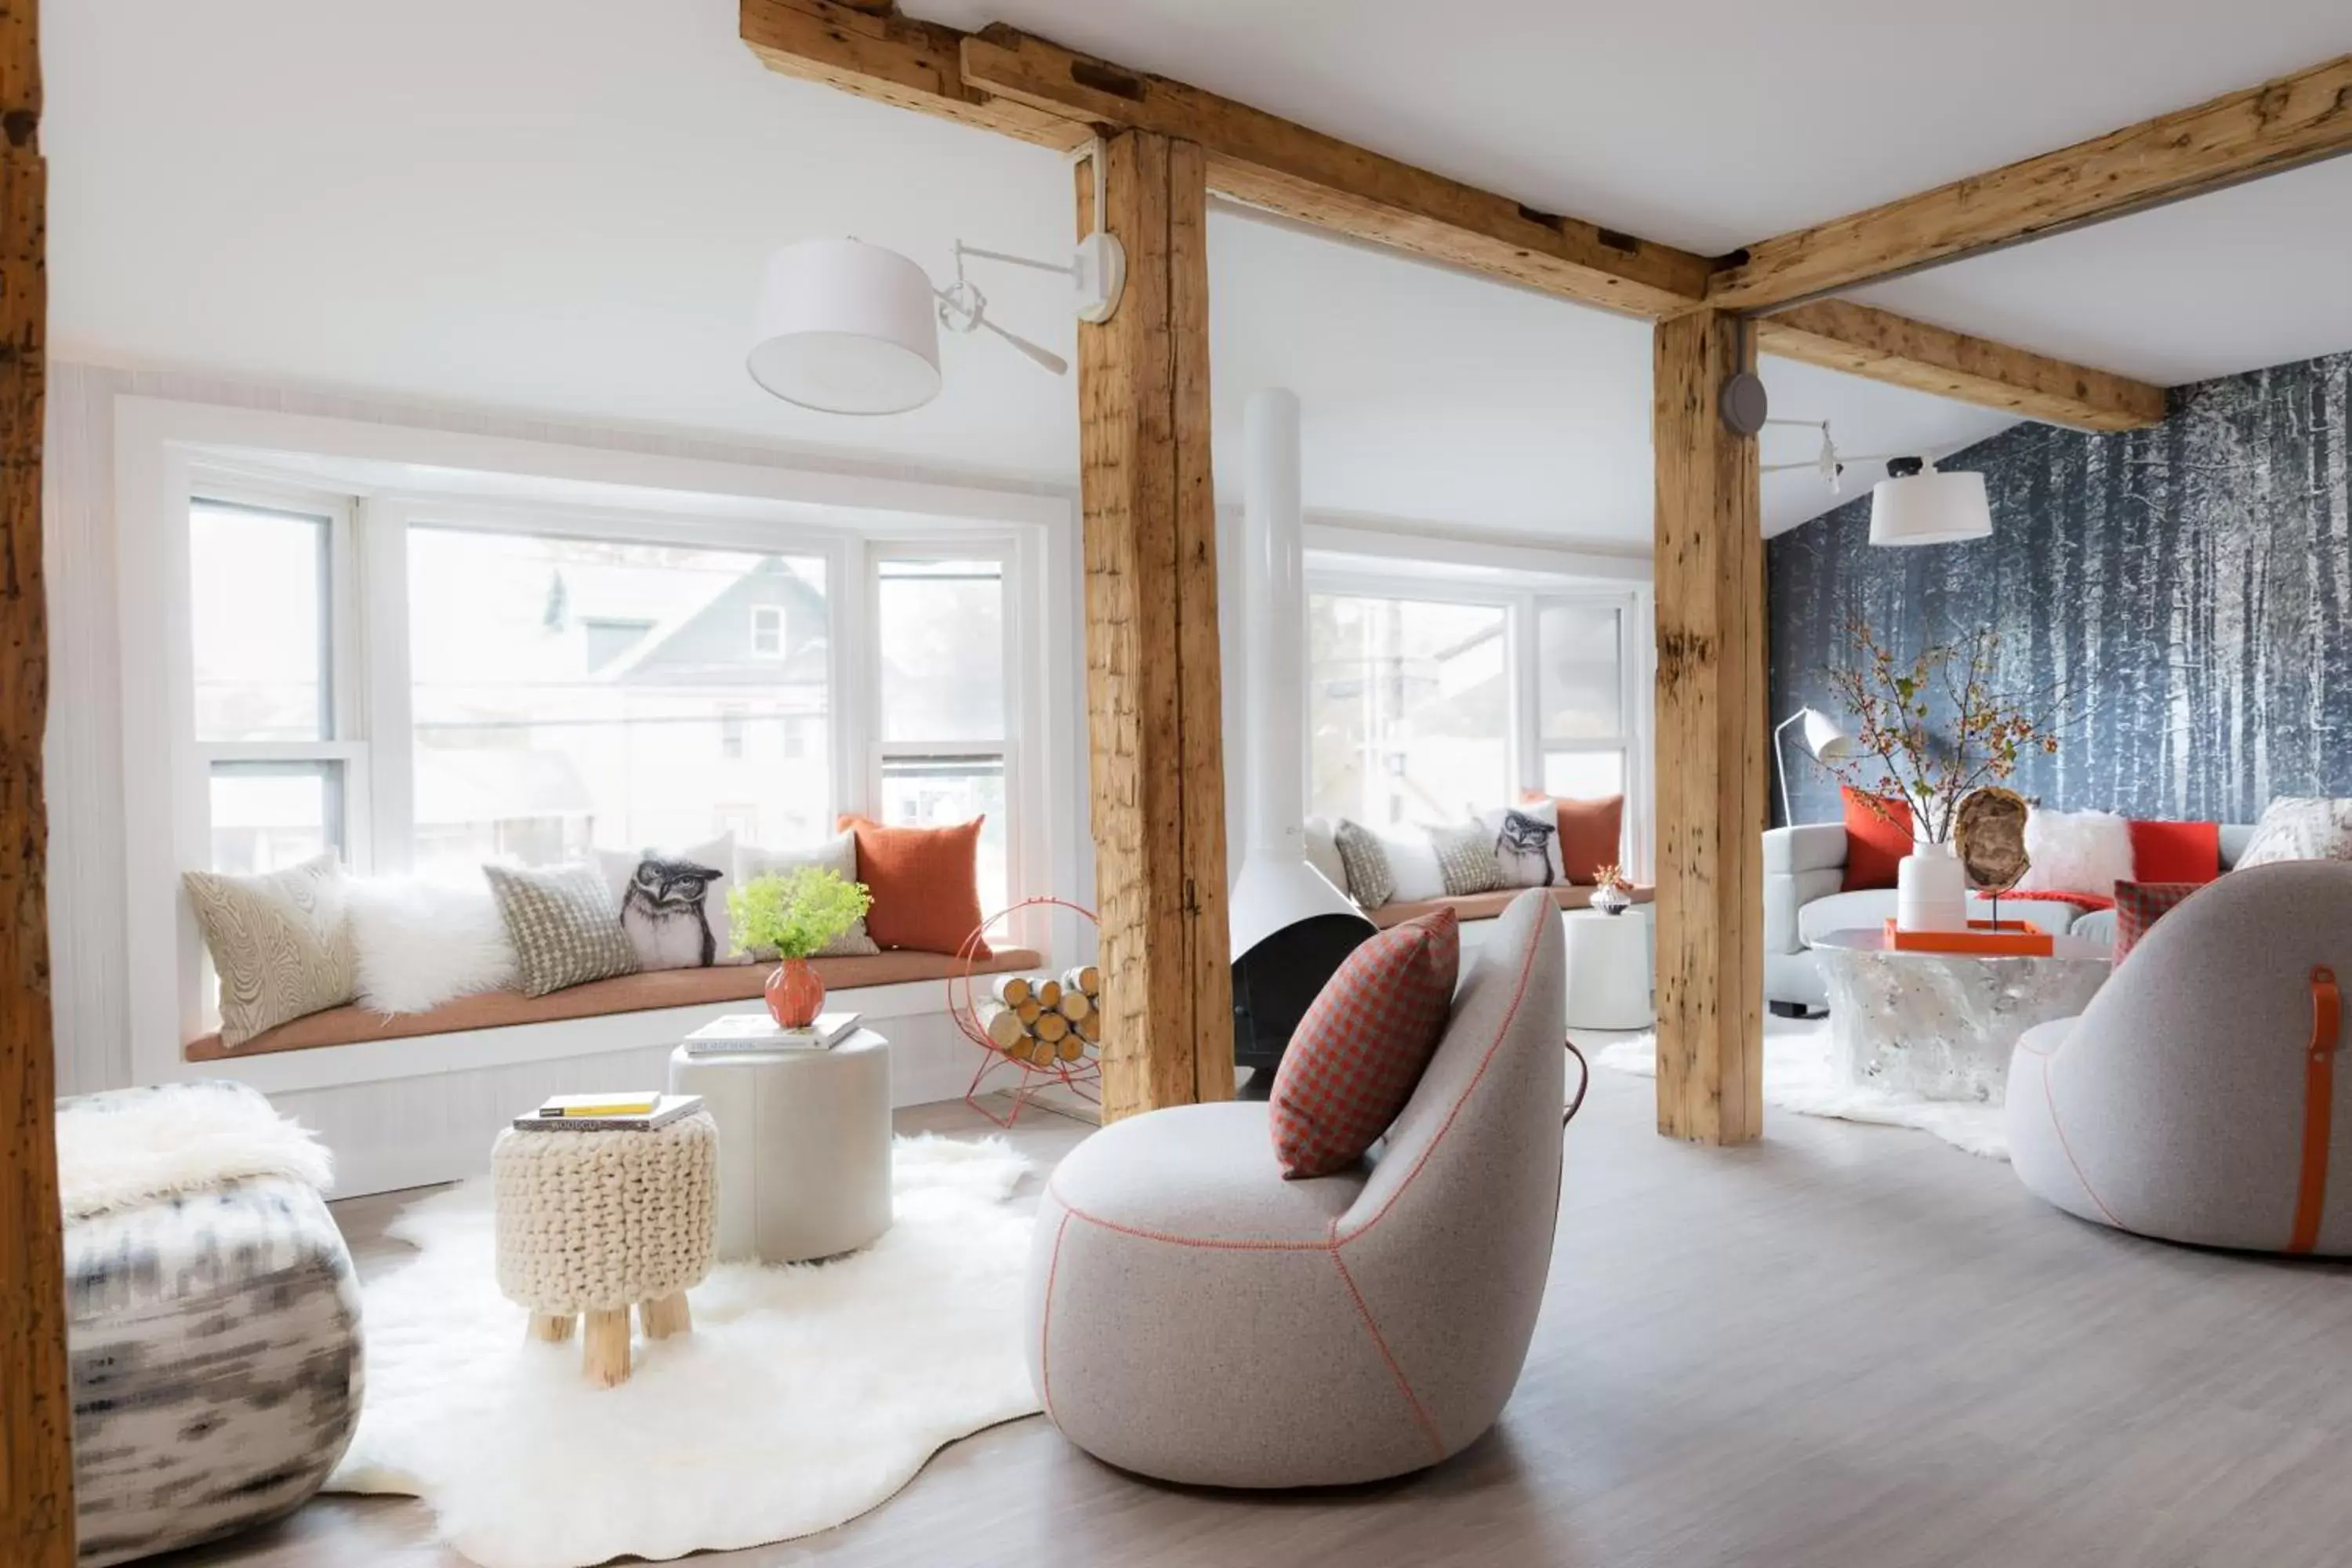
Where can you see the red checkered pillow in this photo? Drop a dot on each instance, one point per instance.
(2139, 905)
(1357, 1055)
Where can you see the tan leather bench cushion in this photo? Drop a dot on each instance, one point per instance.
(624, 994)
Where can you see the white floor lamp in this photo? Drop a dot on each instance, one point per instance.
(1824, 740)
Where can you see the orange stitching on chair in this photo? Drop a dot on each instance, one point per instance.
(2318, 1108)
(2050, 1098)
(1404, 1384)
(1045, 1322)
(1215, 1243)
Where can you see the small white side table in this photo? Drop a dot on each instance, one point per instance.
(803, 1146)
(1610, 966)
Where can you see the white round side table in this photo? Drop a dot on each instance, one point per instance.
(803, 1146)
(1609, 966)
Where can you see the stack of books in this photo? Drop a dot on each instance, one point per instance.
(636, 1111)
(751, 1034)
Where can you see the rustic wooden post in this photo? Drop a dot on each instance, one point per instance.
(1711, 735)
(1152, 708)
(36, 1516)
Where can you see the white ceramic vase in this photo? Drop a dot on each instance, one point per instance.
(1931, 889)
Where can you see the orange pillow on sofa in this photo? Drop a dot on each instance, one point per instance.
(1589, 831)
(1875, 845)
(2176, 851)
(925, 882)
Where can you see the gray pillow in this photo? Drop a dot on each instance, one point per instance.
(1369, 882)
(1465, 858)
(282, 943)
(564, 923)
(2300, 828)
(838, 854)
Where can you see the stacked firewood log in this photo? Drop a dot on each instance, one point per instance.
(1039, 1020)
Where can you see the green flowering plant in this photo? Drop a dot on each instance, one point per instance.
(794, 914)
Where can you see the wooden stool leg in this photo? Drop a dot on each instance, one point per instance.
(604, 1353)
(552, 1327)
(667, 1315)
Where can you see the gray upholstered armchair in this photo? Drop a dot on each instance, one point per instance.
(2198, 1098)
(1314, 1332)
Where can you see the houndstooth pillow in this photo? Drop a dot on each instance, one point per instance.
(2300, 828)
(1368, 864)
(1466, 859)
(565, 925)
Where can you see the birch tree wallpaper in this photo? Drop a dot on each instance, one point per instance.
(2185, 587)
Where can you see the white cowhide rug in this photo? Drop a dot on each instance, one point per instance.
(1798, 1076)
(804, 1397)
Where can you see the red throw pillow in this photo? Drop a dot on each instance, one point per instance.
(1875, 845)
(2176, 851)
(1590, 833)
(925, 882)
(2139, 905)
(1355, 1058)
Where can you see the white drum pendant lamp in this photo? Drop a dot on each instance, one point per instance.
(846, 327)
(1929, 508)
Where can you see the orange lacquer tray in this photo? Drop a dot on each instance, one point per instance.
(1990, 938)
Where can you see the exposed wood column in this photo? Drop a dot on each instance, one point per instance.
(1153, 717)
(1711, 738)
(36, 1516)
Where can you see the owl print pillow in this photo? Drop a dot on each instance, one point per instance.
(673, 903)
(1526, 848)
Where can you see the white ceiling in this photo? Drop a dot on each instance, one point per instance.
(560, 207)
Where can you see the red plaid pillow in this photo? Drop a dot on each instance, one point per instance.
(1362, 1047)
(2139, 905)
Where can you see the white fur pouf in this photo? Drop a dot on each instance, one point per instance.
(805, 1395)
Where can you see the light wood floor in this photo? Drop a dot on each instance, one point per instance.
(1846, 1347)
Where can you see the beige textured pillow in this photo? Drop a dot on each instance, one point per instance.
(2300, 828)
(282, 943)
(837, 854)
(564, 923)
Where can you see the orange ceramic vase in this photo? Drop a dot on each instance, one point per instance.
(795, 995)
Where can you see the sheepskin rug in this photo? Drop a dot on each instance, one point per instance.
(131, 1145)
(1798, 1076)
(804, 1397)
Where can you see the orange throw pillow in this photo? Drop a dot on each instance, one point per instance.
(925, 882)
(1875, 845)
(2176, 851)
(1590, 833)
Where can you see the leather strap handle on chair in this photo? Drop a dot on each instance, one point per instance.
(2318, 1107)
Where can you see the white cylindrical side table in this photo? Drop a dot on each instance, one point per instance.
(803, 1146)
(1610, 966)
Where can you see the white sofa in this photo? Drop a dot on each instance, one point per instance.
(1804, 873)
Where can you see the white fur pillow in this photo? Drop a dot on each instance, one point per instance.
(1412, 864)
(2076, 852)
(422, 943)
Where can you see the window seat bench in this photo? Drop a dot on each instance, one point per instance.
(637, 993)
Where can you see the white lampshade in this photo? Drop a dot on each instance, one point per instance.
(1929, 508)
(847, 328)
(1824, 740)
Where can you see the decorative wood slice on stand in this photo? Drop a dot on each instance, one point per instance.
(1988, 831)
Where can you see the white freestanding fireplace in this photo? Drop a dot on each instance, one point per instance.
(1291, 927)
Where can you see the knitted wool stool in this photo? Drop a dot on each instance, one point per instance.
(591, 1223)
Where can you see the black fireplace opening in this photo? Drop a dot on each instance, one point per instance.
(1277, 980)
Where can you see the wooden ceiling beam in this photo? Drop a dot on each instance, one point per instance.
(1838, 334)
(2291, 120)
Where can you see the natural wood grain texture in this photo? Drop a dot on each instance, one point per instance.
(2290, 121)
(1265, 161)
(1154, 720)
(1711, 735)
(605, 1347)
(665, 1317)
(1837, 335)
(870, 50)
(553, 1328)
(36, 1514)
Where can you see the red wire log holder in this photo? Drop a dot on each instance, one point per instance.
(1082, 1077)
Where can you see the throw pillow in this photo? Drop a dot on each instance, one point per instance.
(1591, 833)
(1323, 851)
(1466, 859)
(672, 906)
(2300, 828)
(838, 855)
(421, 942)
(1526, 848)
(281, 943)
(925, 882)
(2139, 905)
(1363, 1045)
(1367, 865)
(2076, 852)
(2176, 851)
(564, 924)
(1414, 876)
(1876, 844)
